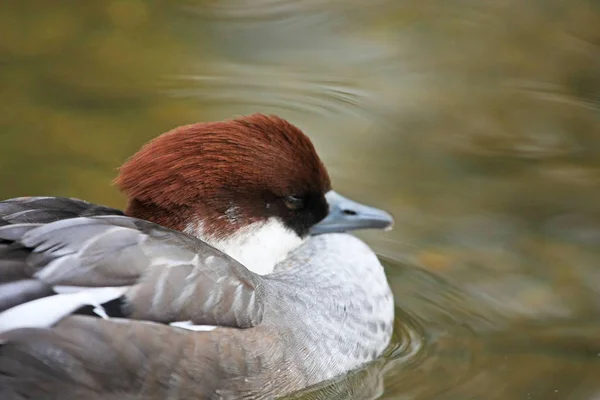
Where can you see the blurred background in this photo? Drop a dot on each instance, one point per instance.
(475, 122)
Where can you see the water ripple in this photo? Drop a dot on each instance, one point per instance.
(231, 83)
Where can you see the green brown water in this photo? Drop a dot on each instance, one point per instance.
(475, 122)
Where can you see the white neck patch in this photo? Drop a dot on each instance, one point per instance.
(258, 246)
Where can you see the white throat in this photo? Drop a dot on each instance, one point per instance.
(258, 246)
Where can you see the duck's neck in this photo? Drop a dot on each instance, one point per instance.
(259, 246)
(175, 217)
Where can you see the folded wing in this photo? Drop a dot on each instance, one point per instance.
(55, 259)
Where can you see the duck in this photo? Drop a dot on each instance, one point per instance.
(232, 273)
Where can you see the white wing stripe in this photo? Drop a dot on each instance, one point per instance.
(47, 311)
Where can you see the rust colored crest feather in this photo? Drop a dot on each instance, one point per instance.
(205, 168)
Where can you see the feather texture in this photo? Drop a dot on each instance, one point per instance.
(170, 276)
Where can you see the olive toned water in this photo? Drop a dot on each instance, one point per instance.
(477, 123)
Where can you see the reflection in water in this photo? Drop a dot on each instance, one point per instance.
(474, 122)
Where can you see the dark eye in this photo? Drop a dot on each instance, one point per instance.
(293, 202)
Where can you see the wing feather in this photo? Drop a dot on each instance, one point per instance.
(170, 276)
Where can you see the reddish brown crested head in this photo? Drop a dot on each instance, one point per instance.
(222, 176)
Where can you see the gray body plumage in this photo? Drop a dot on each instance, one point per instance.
(326, 310)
